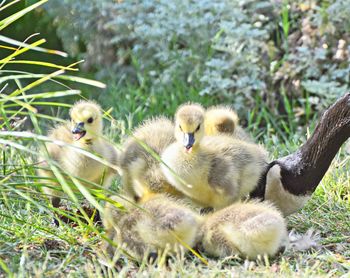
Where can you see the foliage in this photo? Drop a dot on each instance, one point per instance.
(230, 50)
(318, 60)
(160, 38)
(239, 63)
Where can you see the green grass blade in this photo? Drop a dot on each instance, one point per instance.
(43, 103)
(76, 79)
(36, 83)
(5, 268)
(36, 48)
(39, 63)
(38, 115)
(83, 81)
(20, 103)
(285, 18)
(20, 51)
(87, 194)
(12, 18)
(30, 135)
(8, 5)
(42, 95)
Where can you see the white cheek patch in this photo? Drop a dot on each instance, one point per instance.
(287, 202)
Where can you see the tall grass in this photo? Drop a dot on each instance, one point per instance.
(20, 101)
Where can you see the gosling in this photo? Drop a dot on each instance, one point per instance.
(215, 171)
(85, 132)
(223, 120)
(161, 224)
(244, 229)
(141, 173)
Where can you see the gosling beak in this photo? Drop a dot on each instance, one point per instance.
(188, 141)
(78, 131)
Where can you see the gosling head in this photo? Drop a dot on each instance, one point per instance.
(220, 119)
(86, 119)
(189, 125)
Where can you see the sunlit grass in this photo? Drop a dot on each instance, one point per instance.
(28, 233)
(31, 244)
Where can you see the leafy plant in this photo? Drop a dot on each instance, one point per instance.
(232, 51)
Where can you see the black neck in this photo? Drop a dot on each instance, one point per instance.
(303, 170)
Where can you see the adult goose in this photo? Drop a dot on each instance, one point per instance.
(290, 181)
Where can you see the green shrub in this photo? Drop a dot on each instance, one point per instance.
(234, 51)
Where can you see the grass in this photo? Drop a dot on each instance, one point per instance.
(31, 246)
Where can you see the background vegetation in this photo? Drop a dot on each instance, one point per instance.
(279, 63)
(231, 50)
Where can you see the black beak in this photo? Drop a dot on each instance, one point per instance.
(188, 140)
(79, 128)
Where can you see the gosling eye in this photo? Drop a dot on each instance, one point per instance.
(90, 120)
(180, 127)
(199, 126)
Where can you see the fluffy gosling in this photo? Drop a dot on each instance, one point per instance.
(155, 227)
(244, 229)
(141, 173)
(216, 170)
(84, 131)
(223, 120)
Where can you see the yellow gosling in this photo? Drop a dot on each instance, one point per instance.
(142, 176)
(214, 171)
(224, 120)
(162, 223)
(83, 131)
(244, 229)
